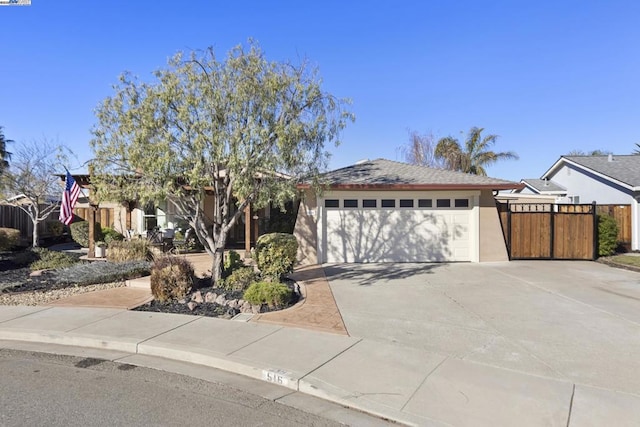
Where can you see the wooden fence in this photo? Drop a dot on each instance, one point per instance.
(549, 231)
(13, 217)
(104, 216)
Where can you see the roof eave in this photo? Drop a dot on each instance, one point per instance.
(419, 187)
(585, 168)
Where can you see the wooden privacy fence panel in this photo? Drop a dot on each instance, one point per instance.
(622, 215)
(530, 237)
(104, 216)
(14, 217)
(574, 236)
(549, 231)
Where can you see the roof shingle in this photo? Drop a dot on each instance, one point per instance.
(624, 168)
(381, 173)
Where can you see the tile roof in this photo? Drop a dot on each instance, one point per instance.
(543, 185)
(381, 173)
(625, 168)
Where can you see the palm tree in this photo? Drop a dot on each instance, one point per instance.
(4, 154)
(475, 155)
(637, 150)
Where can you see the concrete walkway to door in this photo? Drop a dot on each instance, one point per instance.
(503, 335)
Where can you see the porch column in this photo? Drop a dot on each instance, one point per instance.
(247, 231)
(92, 230)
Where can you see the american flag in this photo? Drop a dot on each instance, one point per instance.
(69, 199)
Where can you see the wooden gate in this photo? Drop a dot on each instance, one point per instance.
(549, 231)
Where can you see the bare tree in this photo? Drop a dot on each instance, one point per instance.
(420, 150)
(32, 181)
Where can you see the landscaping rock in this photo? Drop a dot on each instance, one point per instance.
(192, 305)
(210, 297)
(233, 303)
(245, 307)
(197, 297)
(221, 300)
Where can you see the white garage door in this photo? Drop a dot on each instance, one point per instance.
(397, 235)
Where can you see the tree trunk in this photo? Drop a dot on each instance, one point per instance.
(218, 265)
(35, 239)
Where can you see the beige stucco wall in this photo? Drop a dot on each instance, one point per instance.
(306, 230)
(492, 244)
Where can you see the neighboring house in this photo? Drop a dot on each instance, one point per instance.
(541, 186)
(387, 211)
(606, 180)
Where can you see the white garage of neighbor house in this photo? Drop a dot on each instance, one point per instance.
(387, 211)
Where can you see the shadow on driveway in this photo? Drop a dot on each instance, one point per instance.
(368, 274)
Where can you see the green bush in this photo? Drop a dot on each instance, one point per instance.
(276, 254)
(110, 235)
(51, 260)
(232, 262)
(275, 295)
(80, 233)
(9, 238)
(171, 278)
(607, 235)
(129, 250)
(239, 279)
(55, 228)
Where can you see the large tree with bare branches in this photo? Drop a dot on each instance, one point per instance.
(234, 127)
(32, 182)
(420, 150)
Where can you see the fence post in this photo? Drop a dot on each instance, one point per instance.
(552, 226)
(596, 234)
(508, 236)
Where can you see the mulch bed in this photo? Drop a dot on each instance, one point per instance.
(210, 309)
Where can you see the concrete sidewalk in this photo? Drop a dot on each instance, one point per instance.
(404, 384)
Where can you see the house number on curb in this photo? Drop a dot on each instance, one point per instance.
(275, 376)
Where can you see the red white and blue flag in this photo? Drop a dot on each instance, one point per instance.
(69, 199)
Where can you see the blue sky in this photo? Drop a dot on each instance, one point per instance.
(547, 76)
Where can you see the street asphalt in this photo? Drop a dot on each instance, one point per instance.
(519, 343)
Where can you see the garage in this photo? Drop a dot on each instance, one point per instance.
(430, 227)
(386, 211)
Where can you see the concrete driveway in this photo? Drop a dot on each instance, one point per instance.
(574, 321)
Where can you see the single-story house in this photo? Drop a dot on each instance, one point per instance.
(387, 211)
(161, 219)
(606, 180)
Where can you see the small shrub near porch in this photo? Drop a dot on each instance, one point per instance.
(274, 295)
(129, 250)
(276, 254)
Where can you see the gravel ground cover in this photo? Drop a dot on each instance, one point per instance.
(20, 286)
